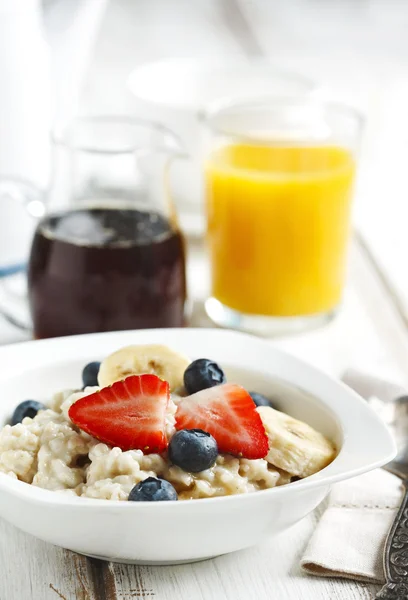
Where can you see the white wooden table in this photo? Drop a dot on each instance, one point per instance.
(326, 40)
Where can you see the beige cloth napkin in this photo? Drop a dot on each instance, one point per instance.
(349, 539)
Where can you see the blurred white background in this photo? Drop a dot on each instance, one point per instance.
(347, 44)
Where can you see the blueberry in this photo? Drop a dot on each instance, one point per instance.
(193, 450)
(28, 408)
(202, 374)
(152, 490)
(90, 374)
(260, 400)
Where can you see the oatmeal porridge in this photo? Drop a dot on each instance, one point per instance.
(129, 435)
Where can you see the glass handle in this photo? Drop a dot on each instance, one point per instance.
(26, 193)
(13, 303)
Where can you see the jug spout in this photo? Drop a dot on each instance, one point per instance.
(113, 160)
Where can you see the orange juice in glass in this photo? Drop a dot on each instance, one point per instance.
(279, 179)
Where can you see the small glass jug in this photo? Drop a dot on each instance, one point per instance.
(107, 252)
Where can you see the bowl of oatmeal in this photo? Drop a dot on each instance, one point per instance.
(168, 446)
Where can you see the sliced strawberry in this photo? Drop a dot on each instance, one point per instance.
(129, 414)
(229, 414)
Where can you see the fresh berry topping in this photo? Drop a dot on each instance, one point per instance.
(90, 374)
(129, 414)
(229, 414)
(202, 374)
(193, 450)
(28, 408)
(260, 399)
(152, 490)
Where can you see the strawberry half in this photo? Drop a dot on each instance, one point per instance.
(229, 414)
(129, 414)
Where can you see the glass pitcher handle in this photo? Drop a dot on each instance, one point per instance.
(13, 305)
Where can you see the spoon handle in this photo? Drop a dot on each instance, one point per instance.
(396, 555)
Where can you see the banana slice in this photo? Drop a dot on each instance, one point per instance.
(135, 360)
(294, 446)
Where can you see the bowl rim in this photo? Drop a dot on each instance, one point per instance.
(349, 409)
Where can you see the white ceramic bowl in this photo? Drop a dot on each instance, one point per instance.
(172, 532)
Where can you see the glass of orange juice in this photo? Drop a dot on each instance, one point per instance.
(279, 181)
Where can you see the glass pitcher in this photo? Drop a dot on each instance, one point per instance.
(107, 252)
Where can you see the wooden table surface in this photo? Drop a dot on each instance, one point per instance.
(337, 42)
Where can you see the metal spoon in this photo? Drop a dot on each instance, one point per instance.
(395, 413)
(395, 558)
